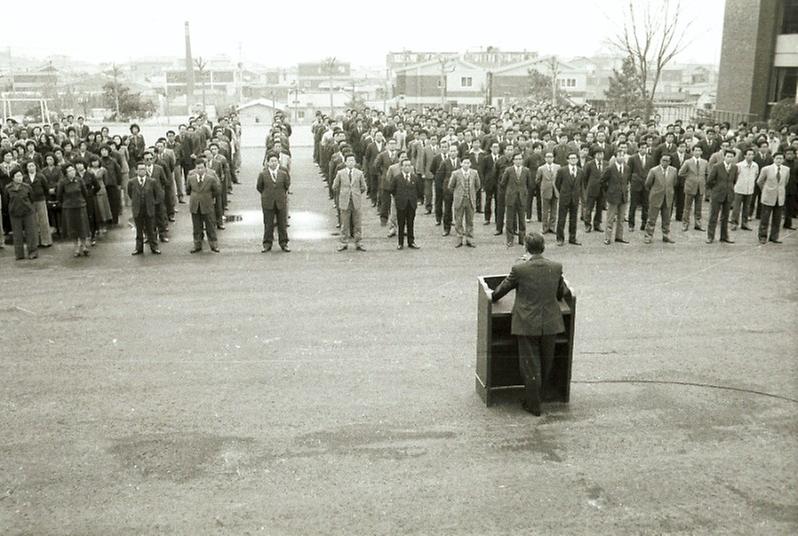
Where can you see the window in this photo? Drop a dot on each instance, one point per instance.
(786, 81)
(466, 81)
(789, 20)
(300, 114)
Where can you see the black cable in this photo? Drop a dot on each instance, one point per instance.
(692, 384)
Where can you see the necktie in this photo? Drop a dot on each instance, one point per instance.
(778, 174)
(573, 171)
(407, 177)
(141, 182)
(350, 176)
(620, 168)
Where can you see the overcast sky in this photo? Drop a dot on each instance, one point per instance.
(285, 32)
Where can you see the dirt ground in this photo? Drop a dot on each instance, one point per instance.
(333, 393)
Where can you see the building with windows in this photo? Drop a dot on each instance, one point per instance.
(452, 81)
(513, 81)
(311, 75)
(759, 56)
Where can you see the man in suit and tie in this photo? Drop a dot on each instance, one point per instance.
(694, 171)
(678, 159)
(349, 186)
(640, 164)
(593, 172)
(660, 183)
(615, 183)
(273, 185)
(464, 184)
(720, 182)
(763, 159)
(487, 172)
(406, 189)
(430, 151)
(143, 191)
(568, 184)
(443, 209)
(773, 182)
(441, 154)
(81, 129)
(545, 180)
(158, 173)
(384, 160)
(373, 150)
(205, 193)
(536, 316)
(513, 183)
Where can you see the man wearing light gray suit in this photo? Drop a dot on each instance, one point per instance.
(546, 179)
(660, 183)
(513, 184)
(772, 181)
(694, 171)
(464, 183)
(348, 187)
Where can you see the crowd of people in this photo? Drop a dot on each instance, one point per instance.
(66, 181)
(559, 165)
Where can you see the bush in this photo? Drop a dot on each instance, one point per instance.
(784, 114)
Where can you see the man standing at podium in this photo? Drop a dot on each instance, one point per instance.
(536, 318)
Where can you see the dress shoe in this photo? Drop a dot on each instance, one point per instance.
(137, 252)
(446, 233)
(763, 241)
(437, 223)
(631, 228)
(498, 233)
(215, 249)
(598, 229)
(486, 222)
(470, 244)
(646, 239)
(727, 241)
(360, 248)
(698, 228)
(710, 240)
(533, 408)
(391, 234)
(156, 251)
(266, 249)
(85, 252)
(621, 240)
(575, 242)
(643, 227)
(286, 249)
(529, 220)
(163, 239)
(400, 246)
(560, 242)
(478, 211)
(413, 246)
(734, 227)
(668, 240)
(33, 256)
(458, 245)
(181, 202)
(195, 250)
(509, 244)
(220, 227)
(342, 247)
(171, 219)
(607, 242)
(588, 228)
(775, 240)
(550, 232)
(791, 227)
(745, 228)
(427, 212)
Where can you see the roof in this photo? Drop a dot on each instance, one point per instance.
(458, 59)
(537, 62)
(259, 102)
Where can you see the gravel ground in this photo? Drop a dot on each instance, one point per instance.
(332, 393)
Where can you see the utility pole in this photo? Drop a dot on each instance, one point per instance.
(201, 69)
(442, 60)
(330, 66)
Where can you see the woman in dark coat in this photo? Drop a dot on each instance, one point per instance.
(52, 172)
(40, 188)
(21, 211)
(71, 194)
(90, 191)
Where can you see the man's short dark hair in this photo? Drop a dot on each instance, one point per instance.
(534, 242)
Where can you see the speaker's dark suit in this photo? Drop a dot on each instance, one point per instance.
(406, 190)
(569, 185)
(143, 207)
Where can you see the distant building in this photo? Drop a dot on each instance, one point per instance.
(492, 57)
(216, 82)
(44, 81)
(459, 82)
(257, 112)
(311, 75)
(513, 81)
(759, 56)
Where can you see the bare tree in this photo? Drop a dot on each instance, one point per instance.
(652, 36)
(201, 65)
(554, 67)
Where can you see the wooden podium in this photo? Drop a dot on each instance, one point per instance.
(497, 369)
